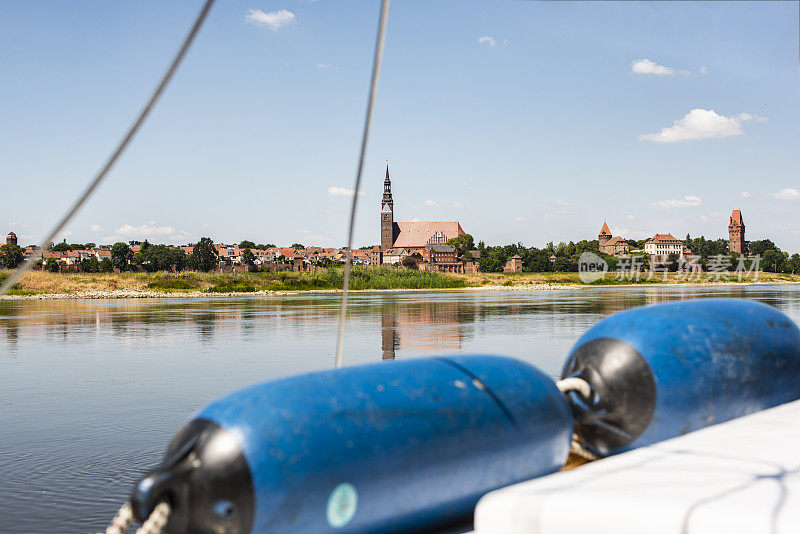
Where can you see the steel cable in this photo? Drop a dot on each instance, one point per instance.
(109, 164)
(373, 89)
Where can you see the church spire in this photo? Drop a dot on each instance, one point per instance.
(387, 214)
(387, 190)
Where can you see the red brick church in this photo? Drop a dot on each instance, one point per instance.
(426, 239)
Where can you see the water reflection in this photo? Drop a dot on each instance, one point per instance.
(399, 322)
(91, 391)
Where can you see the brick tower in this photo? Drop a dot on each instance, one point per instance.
(604, 235)
(736, 233)
(11, 238)
(387, 214)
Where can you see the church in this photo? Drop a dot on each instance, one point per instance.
(400, 239)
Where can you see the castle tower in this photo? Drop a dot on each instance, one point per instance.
(604, 235)
(387, 214)
(736, 242)
(11, 238)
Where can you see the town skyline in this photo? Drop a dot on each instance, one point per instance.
(527, 121)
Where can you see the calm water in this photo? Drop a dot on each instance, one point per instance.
(92, 391)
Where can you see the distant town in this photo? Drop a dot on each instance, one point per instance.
(441, 246)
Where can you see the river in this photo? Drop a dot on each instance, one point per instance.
(91, 391)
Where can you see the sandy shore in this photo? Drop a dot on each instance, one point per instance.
(139, 294)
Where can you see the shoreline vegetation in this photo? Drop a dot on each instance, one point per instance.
(42, 284)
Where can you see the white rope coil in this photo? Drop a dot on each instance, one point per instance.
(577, 448)
(121, 521)
(575, 384)
(157, 520)
(153, 525)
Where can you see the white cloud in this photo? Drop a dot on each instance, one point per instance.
(16, 225)
(787, 194)
(458, 205)
(342, 191)
(431, 204)
(648, 66)
(687, 202)
(560, 209)
(205, 226)
(464, 183)
(630, 217)
(701, 124)
(272, 20)
(151, 230)
(325, 66)
(520, 219)
(415, 220)
(487, 40)
(703, 71)
(746, 194)
(628, 233)
(711, 217)
(96, 228)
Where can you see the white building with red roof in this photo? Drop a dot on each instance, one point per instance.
(660, 246)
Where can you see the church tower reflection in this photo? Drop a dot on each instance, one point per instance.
(422, 326)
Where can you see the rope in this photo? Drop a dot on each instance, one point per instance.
(575, 384)
(583, 388)
(373, 89)
(121, 521)
(157, 520)
(153, 525)
(84, 196)
(577, 448)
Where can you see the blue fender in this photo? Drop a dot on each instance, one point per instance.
(661, 371)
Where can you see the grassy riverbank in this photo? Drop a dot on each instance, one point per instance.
(44, 283)
(40, 282)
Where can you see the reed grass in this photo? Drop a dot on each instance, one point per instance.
(362, 278)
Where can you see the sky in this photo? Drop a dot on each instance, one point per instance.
(526, 121)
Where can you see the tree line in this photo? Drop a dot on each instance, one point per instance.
(564, 257)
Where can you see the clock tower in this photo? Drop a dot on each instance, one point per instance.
(387, 214)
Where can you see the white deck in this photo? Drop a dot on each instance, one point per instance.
(742, 476)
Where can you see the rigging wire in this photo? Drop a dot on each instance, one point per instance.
(109, 164)
(373, 89)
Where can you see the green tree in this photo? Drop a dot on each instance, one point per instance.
(89, 246)
(121, 256)
(90, 265)
(565, 264)
(204, 255)
(105, 266)
(774, 261)
(248, 258)
(409, 263)
(794, 263)
(247, 244)
(51, 265)
(462, 243)
(60, 247)
(154, 258)
(298, 246)
(760, 248)
(672, 262)
(11, 256)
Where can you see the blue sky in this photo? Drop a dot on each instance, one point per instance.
(526, 121)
